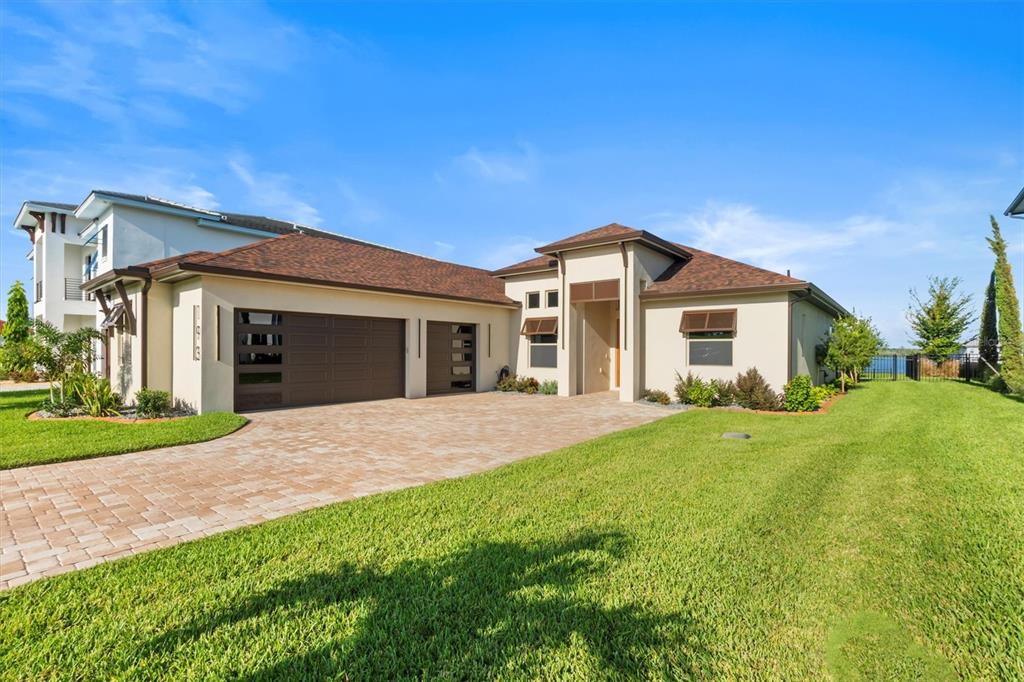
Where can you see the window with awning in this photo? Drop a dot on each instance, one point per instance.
(539, 325)
(707, 321)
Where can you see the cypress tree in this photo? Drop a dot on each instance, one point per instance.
(988, 340)
(1008, 306)
(17, 326)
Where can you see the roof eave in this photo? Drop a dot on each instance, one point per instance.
(650, 240)
(202, 268)
(113, 275)
(1016, 207)
(705, 293)
(525, 271)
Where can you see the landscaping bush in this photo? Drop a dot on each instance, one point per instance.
(799, 395)
(682, 388)
(823, 393)
(653, 395)
(725, 392)
(509, 384)
(754, 393)
(702, 393)
(549, 387)
(58, 407)
(527, 385)
(97, 397)
(150, 403)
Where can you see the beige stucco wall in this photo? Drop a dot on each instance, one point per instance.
(516, 288)
(811, 325)
(208, 384)
(761, 341)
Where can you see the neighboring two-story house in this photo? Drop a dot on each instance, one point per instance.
(233, 312)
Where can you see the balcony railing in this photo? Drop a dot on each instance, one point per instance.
(39, 291)
(73, 290)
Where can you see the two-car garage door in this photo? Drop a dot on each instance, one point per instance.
(284, 358)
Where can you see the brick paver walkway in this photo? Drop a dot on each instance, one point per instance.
(60, 517)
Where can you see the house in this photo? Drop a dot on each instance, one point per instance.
(109, 230)
(1016, 208)
(306, 317)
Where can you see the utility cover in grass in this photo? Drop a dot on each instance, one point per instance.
(736, 434)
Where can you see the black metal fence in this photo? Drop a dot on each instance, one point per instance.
(918, 367)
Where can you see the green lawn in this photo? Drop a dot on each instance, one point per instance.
(43, 441)
(883, 540)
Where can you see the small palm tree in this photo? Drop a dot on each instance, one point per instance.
(63, 355)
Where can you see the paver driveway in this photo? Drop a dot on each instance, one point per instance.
(60, 517)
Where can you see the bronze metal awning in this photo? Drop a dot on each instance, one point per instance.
(539, 325)
(600, 290)
(698, 321)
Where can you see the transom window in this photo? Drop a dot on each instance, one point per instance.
(533, 299)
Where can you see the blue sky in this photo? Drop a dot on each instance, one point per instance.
(861, 146)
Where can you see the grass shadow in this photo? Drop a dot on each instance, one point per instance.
(489, 608)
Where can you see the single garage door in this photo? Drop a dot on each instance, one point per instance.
(284, 358)
(451, 357)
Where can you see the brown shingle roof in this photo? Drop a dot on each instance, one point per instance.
(345, 263)
(529, 265)
(608, 232)
(706, 272)
(611, 233)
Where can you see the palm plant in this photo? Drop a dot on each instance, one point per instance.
(63, 355)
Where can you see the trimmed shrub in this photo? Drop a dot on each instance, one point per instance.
(151, 403)
(549, 387)
(754, 393)
(653, 395)
(56, 406)
(799, 395)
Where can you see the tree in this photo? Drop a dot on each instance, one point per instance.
(941, 321)
(1011, 338)
(850, 346)
(18, 325)
(16, 353)
(988, 339)
(63, 355)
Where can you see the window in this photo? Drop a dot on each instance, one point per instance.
(533, 299)
(713, 348)
(544, 350)
(261, 339)
(259, 358)
(248, 317)
(552, 298)
(103, 242)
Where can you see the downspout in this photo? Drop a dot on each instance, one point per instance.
(625, 297)
(563, 304)
(144, 326)
(796, 298)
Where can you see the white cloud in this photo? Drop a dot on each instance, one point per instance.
(519, 166)
(68, 177)
(134, 53)
(272, 193)
(743, 232)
